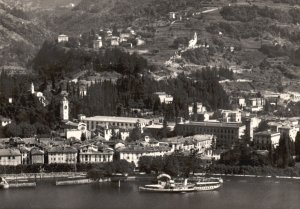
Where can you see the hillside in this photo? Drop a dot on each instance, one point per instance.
(21, 36)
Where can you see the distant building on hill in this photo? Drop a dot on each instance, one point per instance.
(97, 44)
(4, 121)
(62, 38)
(164, 97)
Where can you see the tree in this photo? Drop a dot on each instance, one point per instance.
(297, 144)
(263, 126)
(114, 135)
(12, 130)
(136, 133)
(83, 137)
(283, 152)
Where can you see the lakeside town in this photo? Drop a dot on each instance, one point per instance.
(246, 136)
(156, 96)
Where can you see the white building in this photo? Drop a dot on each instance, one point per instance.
(39, 95)
(62, 38)
(92, 154)
(115, 41)
(231, 116)
(97, 44)
(266, 139)
(106, 132)
(164, 97)
(172, 15)
(4, 121)
(199, 108)
(10, 157)
(134, 153)
(62, 154)
(193, 42)
(76, 133)
(120, 122)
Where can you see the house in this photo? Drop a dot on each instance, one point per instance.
(172, 15)
(139, 41)
(266, 139)
(4, 121)
(10, 157)
(94, 154)
(115, 40)
(37, 156)
(164, 97)
(124, 37)
(62, 154)
(196, 108)
(231, 116)
(77, 132)
(62, 38)
(97, 44)
(39, 95)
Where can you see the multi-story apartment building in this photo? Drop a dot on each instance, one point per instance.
(62, 154)
(266, 139)
(227, 134)
(10, 157)
(92, 154)
(120, 122)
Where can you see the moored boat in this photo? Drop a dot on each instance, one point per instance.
(3, 183)
(208, 184)
(167, 185)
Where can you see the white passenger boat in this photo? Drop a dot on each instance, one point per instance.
(168, 186)
(208, 184)
(3, 183)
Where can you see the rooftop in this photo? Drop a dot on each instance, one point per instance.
(215, 124)
(115, 119)
(9, 152)
(141, 149)
(64, 149)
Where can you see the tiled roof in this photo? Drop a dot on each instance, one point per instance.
(63, 149)
(115, 119)
(140, 149)
(10, 152)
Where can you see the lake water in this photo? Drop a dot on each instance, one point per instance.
(236, 193)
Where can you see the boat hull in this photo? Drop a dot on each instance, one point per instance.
(207, 187)
(162, 190)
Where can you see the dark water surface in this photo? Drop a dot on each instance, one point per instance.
(236, 193)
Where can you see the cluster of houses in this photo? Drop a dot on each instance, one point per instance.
(17, 151)
(107, 37)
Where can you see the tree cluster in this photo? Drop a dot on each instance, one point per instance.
(174, 165)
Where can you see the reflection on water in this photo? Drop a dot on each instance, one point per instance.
(236, 193)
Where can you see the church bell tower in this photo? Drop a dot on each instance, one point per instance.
(64, 109)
